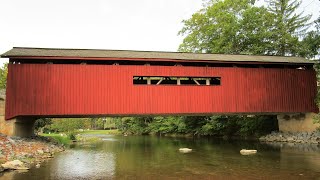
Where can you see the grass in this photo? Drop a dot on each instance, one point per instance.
(113, 131)
(65, 140)
(57, 137)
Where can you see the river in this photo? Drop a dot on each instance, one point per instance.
(147, 157)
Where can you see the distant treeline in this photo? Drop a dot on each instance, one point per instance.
(219, 126)
(243, 126)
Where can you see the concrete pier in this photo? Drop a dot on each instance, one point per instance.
(299, 122)
(21, 126)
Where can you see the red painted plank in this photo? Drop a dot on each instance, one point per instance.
(87, 90)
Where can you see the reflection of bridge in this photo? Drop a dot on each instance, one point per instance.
(76, 83)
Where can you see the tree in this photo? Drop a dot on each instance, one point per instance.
(68, 125)
(310, 45)
(3, 76)
(238, 27)
(41, 123)
(97, 123)
(229, 26)
(289, 26)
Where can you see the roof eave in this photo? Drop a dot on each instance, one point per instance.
(154, 59)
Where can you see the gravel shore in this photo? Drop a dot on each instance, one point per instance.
(299, 137)
(24, 153)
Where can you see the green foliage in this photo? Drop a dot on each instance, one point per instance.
(316, 50)
(58, 138)
(72, 136)
(97, 123)
(67, 124)
(310, 45)
(135, 125)
(201, 125)
(239, 27)
(164, 125)
(3, 76)
(113, 131)
(288, 26)
(42, 123)
(229, 26)
(109, 123)
(316, 119)
(257, 125)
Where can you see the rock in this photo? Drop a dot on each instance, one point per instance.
(39, 151)
(1, 155)
(290, 139)
(247, 151)
(11, 140)
(37, 165)
(15, 164)
(29, 155)
(47, 150)
(262, 138)
(185, 150)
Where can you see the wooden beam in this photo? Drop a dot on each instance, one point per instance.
(148, 80)
(208, 81)
(160, 81)
(196, 82)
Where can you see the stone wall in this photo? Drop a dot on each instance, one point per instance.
(6, 127)
(297, 122)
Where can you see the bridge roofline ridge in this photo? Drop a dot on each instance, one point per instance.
(22, 52)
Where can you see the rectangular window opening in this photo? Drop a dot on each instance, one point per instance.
(169, 80)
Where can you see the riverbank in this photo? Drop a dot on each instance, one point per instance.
(80, 136)
(299, 137)
(24, 153)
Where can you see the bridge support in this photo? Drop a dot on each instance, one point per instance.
(297, 122)
(21, 126)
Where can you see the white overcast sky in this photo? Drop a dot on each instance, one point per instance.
(150, 25)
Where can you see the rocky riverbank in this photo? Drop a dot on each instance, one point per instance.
(299, 137)
(23, 153)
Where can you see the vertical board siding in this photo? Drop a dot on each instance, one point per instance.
(88, 90)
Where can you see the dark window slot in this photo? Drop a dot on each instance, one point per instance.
(168, 80)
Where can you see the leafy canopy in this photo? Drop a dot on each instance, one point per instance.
(239, 27)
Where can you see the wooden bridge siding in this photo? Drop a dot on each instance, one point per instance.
(65, 90)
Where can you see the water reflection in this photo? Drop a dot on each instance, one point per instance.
(144, 157)
(84, 164)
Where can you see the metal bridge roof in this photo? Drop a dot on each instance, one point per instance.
(100, 54)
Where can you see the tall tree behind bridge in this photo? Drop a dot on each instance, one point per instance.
(238, 27)
(289, 26)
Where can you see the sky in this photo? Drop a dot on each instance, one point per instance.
(148, 25)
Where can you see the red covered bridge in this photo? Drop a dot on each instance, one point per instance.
(79, 82)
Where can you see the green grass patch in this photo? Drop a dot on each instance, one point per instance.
(113, 131)
(65, 140)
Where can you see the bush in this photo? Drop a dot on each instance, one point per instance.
(200, 125)
(72, 136)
